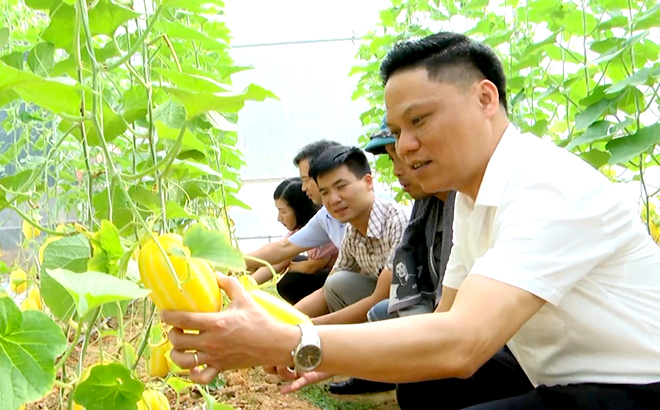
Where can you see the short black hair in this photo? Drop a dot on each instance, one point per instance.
(290, 191)
(450, 57)
(313, 150)
(334, 157)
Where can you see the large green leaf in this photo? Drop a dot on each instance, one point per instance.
(626, 148)
(113, 125)
(193, 82)
(592, 113)
(192, 169)
(104, 19)
(90, 290)
(638, 78)
(39, 4)
(190, 142)
(109, 387)
(57, 95)
(41, 58)
(596, 131)
(29, 344)
(199, 103)
(171, 114)
(4, 36)
(71, 253)
(176, 30)
(69, 67)
(121, 211)
(595, 158)
(108, 249)
(214, 246)
(14, 60)
(648, 19)
(176, 211)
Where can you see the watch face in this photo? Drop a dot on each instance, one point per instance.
(308, 357)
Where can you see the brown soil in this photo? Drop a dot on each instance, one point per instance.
(248, 389)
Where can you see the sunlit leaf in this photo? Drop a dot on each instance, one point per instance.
(30, 342)
(199, 103)
(109, 387)
(628, 147)
(214, 246)
(90, 290)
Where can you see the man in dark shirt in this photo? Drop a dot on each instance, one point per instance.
(418, 264)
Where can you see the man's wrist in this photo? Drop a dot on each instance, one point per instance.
(287, 341)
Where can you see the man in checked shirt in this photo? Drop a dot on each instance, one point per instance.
(374, 229)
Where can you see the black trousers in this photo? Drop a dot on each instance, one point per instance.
(295, 285)
(500, 384)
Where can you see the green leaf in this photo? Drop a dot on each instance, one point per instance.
(190, 142)
(176, 30)
(595, 132)
(618, 21)
(108, 249)
(198, 103)
(638, 78)
(108, 236)
(214, 246)
(631, 100)
(178, 384)
(90, 290)
(29, 344)
(192, 82)
(231, 200)
(71, 253)
(595, 158)
(193, 169)
(14, 60)
(625, 148)
(109, 387)
(56, 95)
(171, 114)
(122, 213)
(39, 4)
(41, 58)
(4, 36)
(111, 310)
(648, 19)
(176, 211)
(592, 113)
(145, 198)
(104, 19)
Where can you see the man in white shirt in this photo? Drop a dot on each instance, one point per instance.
(548, 259)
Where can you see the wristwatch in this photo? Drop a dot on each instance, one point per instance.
(307, 355)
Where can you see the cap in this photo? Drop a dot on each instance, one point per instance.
(380, 139)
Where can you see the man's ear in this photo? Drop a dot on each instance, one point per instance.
(368, 179)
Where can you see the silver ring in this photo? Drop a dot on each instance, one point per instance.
(196, 359)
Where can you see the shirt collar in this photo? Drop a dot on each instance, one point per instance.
(376, 218)
(499, 169)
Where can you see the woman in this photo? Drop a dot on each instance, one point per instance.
(304, 274)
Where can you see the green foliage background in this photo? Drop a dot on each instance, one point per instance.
(584, 73)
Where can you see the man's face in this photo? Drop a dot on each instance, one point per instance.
(439, 127)
(403, 173)
(309, 187)
(344, 195)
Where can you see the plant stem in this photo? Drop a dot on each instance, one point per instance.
(138, 42)
(167, 159)
(263, 262)
(145, 340)
(72, 346)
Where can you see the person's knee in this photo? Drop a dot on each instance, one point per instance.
(379, 311)
(336, 283)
